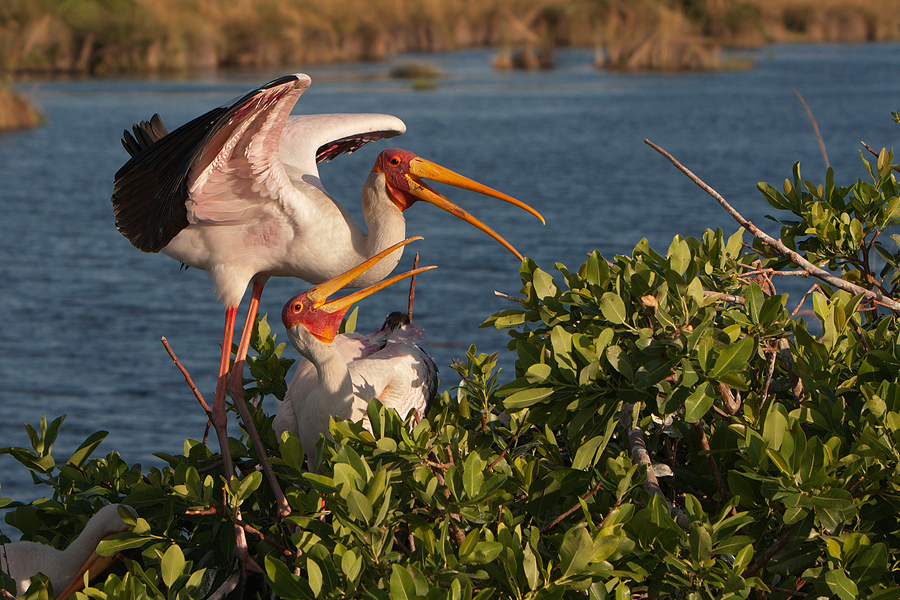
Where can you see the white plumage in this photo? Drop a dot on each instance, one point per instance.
(344, 372)
(387, 364)
(23, 560)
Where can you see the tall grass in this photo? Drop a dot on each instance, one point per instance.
(108, 37)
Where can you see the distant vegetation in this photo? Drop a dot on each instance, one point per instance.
(15, 112)
(111, 37)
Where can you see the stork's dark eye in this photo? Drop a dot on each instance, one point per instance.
(395, 161)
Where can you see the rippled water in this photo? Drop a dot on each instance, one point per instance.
(81, 311)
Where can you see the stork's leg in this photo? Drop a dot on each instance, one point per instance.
(220, 424)
(236, 387)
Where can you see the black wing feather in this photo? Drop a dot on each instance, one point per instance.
(151, 189)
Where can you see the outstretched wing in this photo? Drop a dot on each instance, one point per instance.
(145, 134)
(153, 190)
(311, 139)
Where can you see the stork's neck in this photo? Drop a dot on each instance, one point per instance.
(333, 393)
(386, 226)
(105, 522)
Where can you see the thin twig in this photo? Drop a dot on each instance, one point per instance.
(640, 456)
(187, 377)
(412, 288)
(787, 361)
(815, 125)
(776, 244)
(508, 446)
(763, 559)
(725, 297)
(770, 371)
(574, 508)
(894, 167)
(227, 587)
(508, 297)
(773, 273)
(814, 287)
(731, 403)
(711, 464)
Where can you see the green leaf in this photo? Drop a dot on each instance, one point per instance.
(314, 576)
(699, 402)
(86, 448)
(403, 586)
(733, 357)
(613, 308)
(526, 398)
(172, 565)
(575, 551)
(473, 475)
(841, 585)
(283, 582)
(359, 506)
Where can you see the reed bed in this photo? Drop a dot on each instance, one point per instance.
(110, 37)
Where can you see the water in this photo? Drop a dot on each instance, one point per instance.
(82, 311)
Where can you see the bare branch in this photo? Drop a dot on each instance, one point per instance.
(187, 377)
(725, 297)
(711, 464)
(815, 125)
(508, 297)
(787, 361)
(763, 559)
(776, 244)
(412, 288)
(640, 456)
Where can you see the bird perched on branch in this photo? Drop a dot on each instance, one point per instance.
(236, 192)
(64, 568)
(344, 371)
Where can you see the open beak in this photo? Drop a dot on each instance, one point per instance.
(319, 294)
(94, 566)
(420, 168)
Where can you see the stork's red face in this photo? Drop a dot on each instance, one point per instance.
(322, 317)
(403, 173)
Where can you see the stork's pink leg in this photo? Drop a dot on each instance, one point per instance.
(236, 387)
(220, 424)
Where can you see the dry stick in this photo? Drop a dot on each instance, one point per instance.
(508, 297)
(187, 377)
(641, 457)
(733, 404)
(763, 559)
(814, 287)
(577, 505)
(815, 125)
(725, 297)
(240, 540)
(776, 244)
(770, 371)
(711, 464)
(787, 360)
(412, 288)
(894, 167)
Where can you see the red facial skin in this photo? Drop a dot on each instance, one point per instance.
(395, 164)
(323, 324)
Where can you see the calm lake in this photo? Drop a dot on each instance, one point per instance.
(82, 311)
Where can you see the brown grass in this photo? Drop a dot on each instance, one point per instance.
(15, 112)
(108, 37)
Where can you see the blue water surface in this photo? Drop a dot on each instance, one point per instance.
(82, 311)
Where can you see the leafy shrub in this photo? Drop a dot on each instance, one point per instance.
(672, 431)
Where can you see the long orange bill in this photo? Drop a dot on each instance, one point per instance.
(319, 294)
(421, 168)
(93, 566)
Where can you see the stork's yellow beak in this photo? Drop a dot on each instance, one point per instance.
(419, 169)
(319, 294)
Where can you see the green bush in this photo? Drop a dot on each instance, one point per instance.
(672, 431)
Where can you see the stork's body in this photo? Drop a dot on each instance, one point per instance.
(388, 364)
(343, 374)
(23, 560)
(236, 192)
